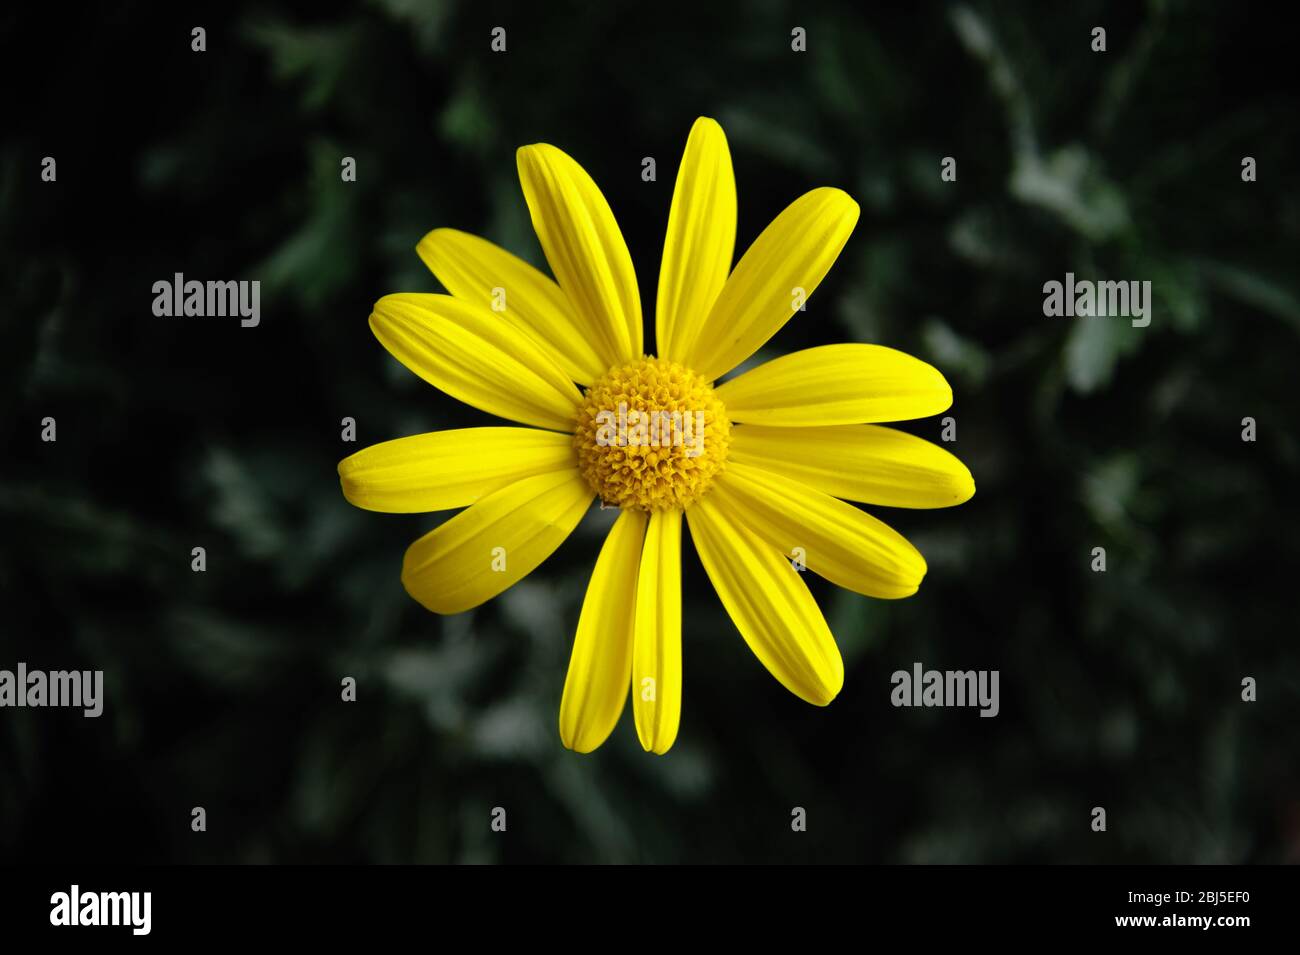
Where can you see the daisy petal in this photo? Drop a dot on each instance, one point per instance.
(837, 384)
(837, 541)
(477, 271)
(657, 649)
(490, 546)
(595, 690)
(700, 241)
(794, 252)
(858, 462)
(446, 469)
(585, 248)
(471, 354)
(769, 604)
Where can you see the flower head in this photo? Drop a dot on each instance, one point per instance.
(761, 466)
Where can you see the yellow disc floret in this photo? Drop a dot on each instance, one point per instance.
(651, 435)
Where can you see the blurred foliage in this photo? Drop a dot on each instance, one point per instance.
(1119, 689)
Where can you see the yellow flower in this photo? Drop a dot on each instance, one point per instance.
(761, 465)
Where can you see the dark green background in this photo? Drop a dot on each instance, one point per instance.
(1119, 690)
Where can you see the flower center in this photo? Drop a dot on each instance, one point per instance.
(651, 435)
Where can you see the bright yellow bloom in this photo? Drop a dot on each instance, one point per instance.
(761, 465)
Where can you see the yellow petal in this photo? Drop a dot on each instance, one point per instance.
(793, 253)
(595, 690)
(858, 462)
(837, 384)
(480, 272)
(585, 248)
(500, 540)
(700, 241)
(834, 540)
(769, 604)
(445, 469)
(471, 354)
(657, 649)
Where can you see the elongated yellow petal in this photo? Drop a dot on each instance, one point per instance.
(595, 689)
(585, 248)
(470, 353)
(834, 540)
(837, 384)
(480, 272)
(700, 241)
(769, 604)
(657, 650)
(858, 462)
(783, 267)
(445, 469)
(500, 540)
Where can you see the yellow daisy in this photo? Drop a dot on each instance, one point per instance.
(761, 465)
